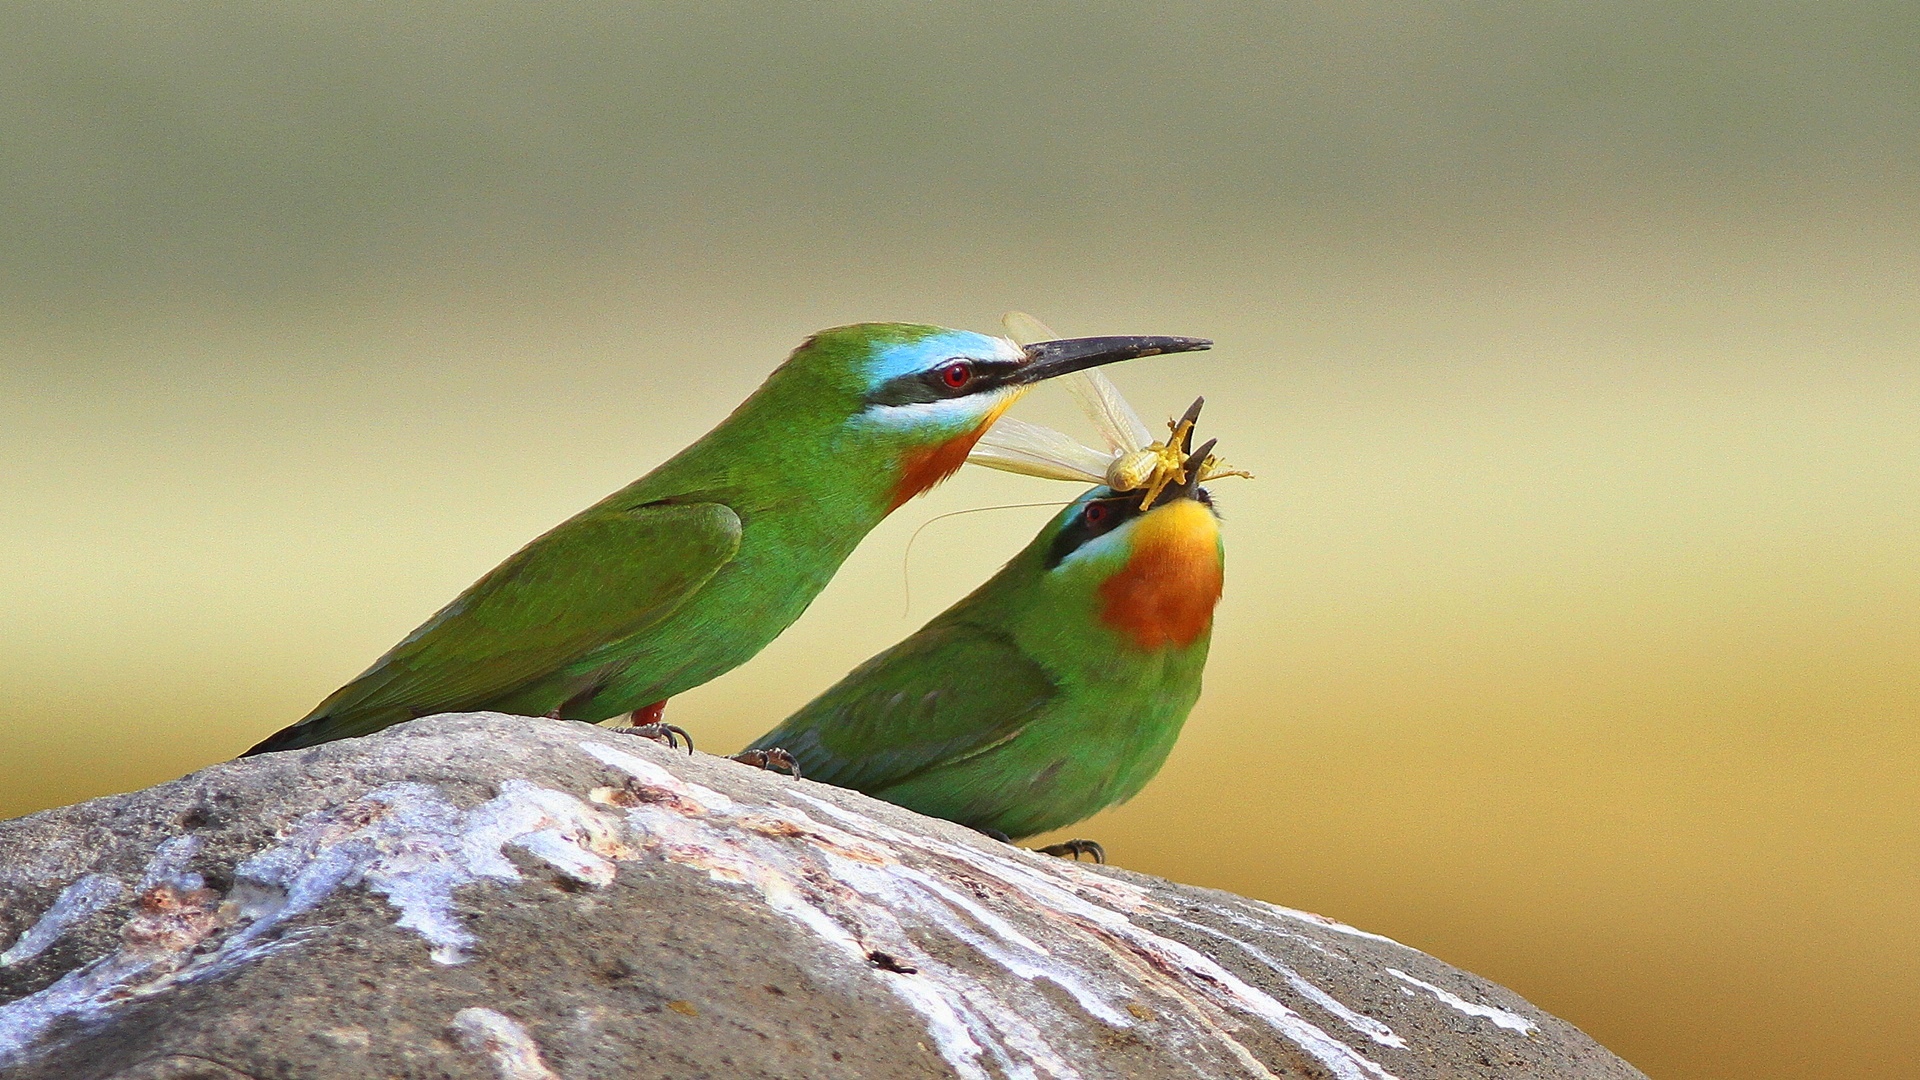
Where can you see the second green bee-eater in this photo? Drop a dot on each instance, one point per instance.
(1052, 691)
(690, 570)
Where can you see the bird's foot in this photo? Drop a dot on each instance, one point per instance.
(771, 758)
(1073, 849)
(671, 734)
(995, 834)
(646, 722)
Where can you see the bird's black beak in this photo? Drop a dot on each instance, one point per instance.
(1190, 489)
(1046, 359)
(1189, 420)
(1195, 458)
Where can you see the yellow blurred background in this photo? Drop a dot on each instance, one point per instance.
(1572, 628)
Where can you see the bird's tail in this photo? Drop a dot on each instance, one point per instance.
(326, 727)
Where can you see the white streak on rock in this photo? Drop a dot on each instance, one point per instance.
(169, 865)
(1061, 887)
(1512, 1021)
(75, 902)
(503, 1041)
(680, 821)
(704, 799)
(1324, 923)
(405, 841)
(1256, 925)
(90, 893)
(845, 882)
(1360, 1022)
(173, 915)
(84, 993)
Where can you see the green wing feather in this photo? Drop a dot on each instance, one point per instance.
(592, 581)
(949, 692)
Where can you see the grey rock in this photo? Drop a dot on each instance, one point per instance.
(498, 898)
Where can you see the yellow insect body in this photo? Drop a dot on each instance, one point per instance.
(1132, 471)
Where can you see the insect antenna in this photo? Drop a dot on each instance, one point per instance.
(906, 575)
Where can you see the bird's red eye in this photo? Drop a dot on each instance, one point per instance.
(957, 374)
(1096, 513)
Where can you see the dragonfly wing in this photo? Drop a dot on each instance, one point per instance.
(1119, 425)
(1031, 450)
(1024, 329)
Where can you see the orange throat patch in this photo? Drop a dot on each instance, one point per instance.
(1166, 593)
(924, 467)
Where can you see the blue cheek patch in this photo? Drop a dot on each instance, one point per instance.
(910, 357)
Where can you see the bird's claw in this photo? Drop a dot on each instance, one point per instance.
(770, 758)
(1073, 849)
(661, 733)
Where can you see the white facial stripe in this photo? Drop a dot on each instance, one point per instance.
(930, 352)
(1104, 546)
(1107, 545)
(958, 414)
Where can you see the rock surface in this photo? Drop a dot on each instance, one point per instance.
(497, 898)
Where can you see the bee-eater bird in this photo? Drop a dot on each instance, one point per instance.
(690, 570)
(1058, 687)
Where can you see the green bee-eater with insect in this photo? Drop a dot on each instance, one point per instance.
(1058, 687)
(690, 570)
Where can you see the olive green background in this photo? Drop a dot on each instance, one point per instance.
(1572, 627)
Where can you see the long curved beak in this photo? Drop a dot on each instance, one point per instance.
(1046, 359)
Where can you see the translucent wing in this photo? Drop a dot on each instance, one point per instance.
(1119, 425)
(1019, 447)
(1024, 329)
(1037, 451)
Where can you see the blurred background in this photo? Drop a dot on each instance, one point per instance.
(1572, 627)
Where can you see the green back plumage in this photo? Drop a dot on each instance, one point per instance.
(670, 581)
(1019, 709)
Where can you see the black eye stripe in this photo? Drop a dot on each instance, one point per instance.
(1118, 510)
(919, 387)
